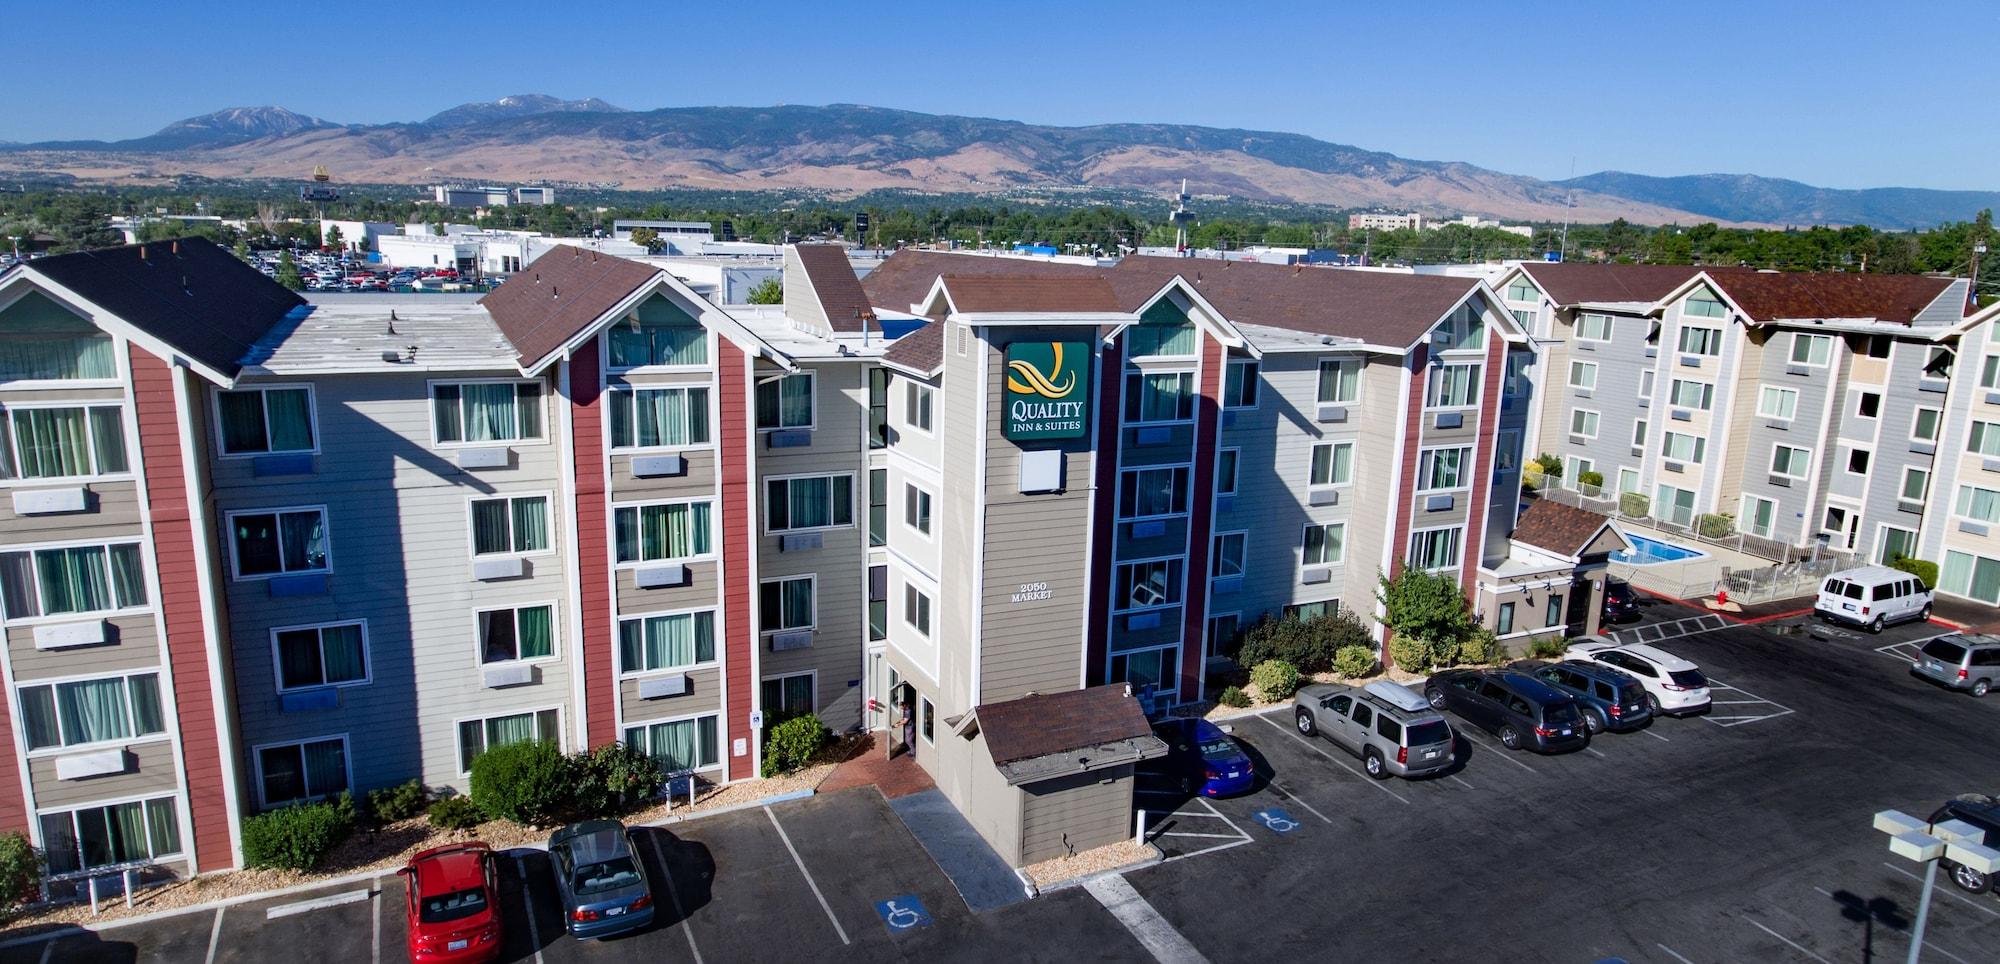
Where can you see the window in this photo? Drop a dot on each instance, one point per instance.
(1813, 350)
(1503, 621)
(1838, 521)
(1696, 395)
(658, 417)
(1443, 468)
(476, 412)
(1591, 327)
(1924, 424)
(1332, 463)
(675, 641)
(1701, 341)
(1989, 371)
(1628, 481)
(1312, 610)
(72, 580)
(1228, 557)
(1977, 503)
(54, 344)
(1877, 346)
(1967, 575)
(1937, 361)
(1759, 515)
(1893, 543)
(1674, 505)
(925, 712)
(1573, 469)
(312, 656)
(917, 609)
(85, 712)
(63, 442)
(279, 542)
(784, 697)
(257, 421)
(917, 509)
(1434, 548)
(1147, 493)
(878, 603)
(1682, 447)
(1523, 316)
(1778, 403)
(1167, 397)
(1161, 331)
(1521, 289)
(110, 835)
(1453, 386)
(309, 770)
(809, 502)
(662, 532)
(878, 507)
(1583, 423)
(1702, 304)
(1515, 380)
(918, 400)
(1507, 452)
(510, 526)
(478, 736)
(1142, 585)
(1583, 375)
(669, 337)
(878, 408)
(1868, 404)
(786, 604)
(1222, 630)
(1916, 482)
(510, 634)
(1465, 329)
(1553, 615)
(1985, 439)
(678, 746)
(1225, 471)
(1857, 461)
(785, 402)
(1790, 461)
(1639, 427)
(1239, 386)
(1646, 383)
(1325, 545)
(1340, 381)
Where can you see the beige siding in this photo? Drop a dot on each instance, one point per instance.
(135, 645)
(704, 696)
(992, 807)
(112, 512)
(1076, 813)
(152, 774)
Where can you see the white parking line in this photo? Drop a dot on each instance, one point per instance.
(1295, 798)
(1788, 941)
(1930, 944)
(1189, 833)
(528, 906)
(1496, 751)
(376, 940)
(1649, 732)
(1240, 839)
(823, 905)
(1595, 752)
(317, 903)
(1462, 783)
(1975, 905)
(1740, 718)
(47, 950)
(674, 894)
(1676, 955)
(1160, 939)
(214, 935)
(1337, 761)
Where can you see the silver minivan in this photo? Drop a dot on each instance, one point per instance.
(1872, 597)
(1969, 663)
(1389, 727)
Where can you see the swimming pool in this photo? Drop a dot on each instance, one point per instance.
(1646, 552)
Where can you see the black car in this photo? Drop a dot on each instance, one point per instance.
(1610, 699)
(1621, 602)
(1522, 711)
(1981, 811)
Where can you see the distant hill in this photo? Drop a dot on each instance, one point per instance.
(1748, 197)
(223, 128)
(518, 105)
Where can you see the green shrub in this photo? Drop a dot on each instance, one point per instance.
(614, 775)
(1275, 679)
(792, 744)
(1234, 696)
(1634, 505)
(1547, 647)
(20, 870)
(1592, 479)
(456, 813)
(400, 802)
(1307, 644)
(1716, 525)
(1479, 648)
(1923, 569)
(530, 782)
(1411, 653)
(297, 837)
(1354, 662)
(1549, 465)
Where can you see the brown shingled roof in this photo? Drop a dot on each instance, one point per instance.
(921, 350)
(833, 280)
(1769, 296)
(1378, 307)
(1562, 529)
(1082, 293)
(904, 278)
(560, 294)
(1047, 724)
(1578, 282)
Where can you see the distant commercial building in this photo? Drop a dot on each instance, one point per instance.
(355, 235)
(460, 196)
(130, 227)
(678, 236)
(535, 195)
(1475, 221)
(1385, 222)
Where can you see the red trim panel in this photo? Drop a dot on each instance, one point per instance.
(180, 607)
(593, 555)
(739, 524)
(1194, 605)
(1111, 378)
(1406, 488)
(13, 802)
(1482, 465)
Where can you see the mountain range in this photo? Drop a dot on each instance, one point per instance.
(847, 148)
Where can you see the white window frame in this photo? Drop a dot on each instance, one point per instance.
(126, 437)
(1215, 553)
(1706, 296)
(708, 335)
(346, 760)
(471, 552)
(917, 602)
(1713, 338)
(1236, 473)
(458, 750)
(1646, 380)
(1589, 415)
(1861, 393)
(1427, 461)
(1319, 378)
(430, 412)
(120, 360)
(626, 393)
(1989, 368)
(812, 394)
(1129, 476)
(1338, 559)
(1331, 462)
(1697, 446)
(41, 604)
(1434, 377)
(1457, 549)
(1808, 341)
(1130, 418)
(764, 630)
(1847, 464)
(1578, 366)
(917, 497)
(277, 663)
(1767, 392)
(1507, 451)
(714, 538)
(919, 397)
(1704, 391)
(1903, 485)
(71, 810)
(715, 627)
(1581, 327)
(1121, 606)
(1640, 427)
(1772, 466)
(764, 485)
(812, 674)
(721, 735)
(1633, 474)
(1937, 423)
(1573, 468)
(1882, 529)
(235, 557)
(1749, 515)
(1955, 500)
(1977, 435)
(1252, 375)
(312, 418)
(555, 634)
(168, 714)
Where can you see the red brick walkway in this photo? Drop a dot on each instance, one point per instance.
(897, 778)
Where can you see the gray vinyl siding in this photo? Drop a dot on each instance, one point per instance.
(993, 808)
(1075, 813)
(398, 533)
(151, 772)
(1799, 504)
(135, 645)
(1957, 464)
(1894, 450)
(1616, 397)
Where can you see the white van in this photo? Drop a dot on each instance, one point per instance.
(1872, 596)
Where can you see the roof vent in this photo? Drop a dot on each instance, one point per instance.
(393, 357)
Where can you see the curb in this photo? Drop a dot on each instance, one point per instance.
(1140, 864)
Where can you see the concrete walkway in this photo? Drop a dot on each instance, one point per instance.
(899, 777)
(982, 878)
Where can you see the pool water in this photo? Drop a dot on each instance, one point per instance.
(1645, 552)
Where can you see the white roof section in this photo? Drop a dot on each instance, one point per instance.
(357, 337)
(777, 329)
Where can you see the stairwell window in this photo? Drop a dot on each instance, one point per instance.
(674, 641)
(785, 402)
(262, 421)
(917, 609)
(808, 502)
(1153, 493)
(88, 712)
(478, 736)
(1453, 386)
(918, 400)
(643, 418)
(72, 580)
(1916, 483)
(304, 770)
(279, 542)
(1227, 554)
(1989, 370)
(662, 532)
(917, 509)
(1146, 585)
(1925, 423)
(480, 413)
(1226, 461)
(1159, 398)
(1340, 381)
(526, 633)
(511, 526)
(110, 835)
(309, 657)
(1434, 549)
(62, 442)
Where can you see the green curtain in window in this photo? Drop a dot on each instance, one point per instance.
(673, 744)
(128, 832)
(73, 580)
(243, 428)
(146, 716)
(531, 524)
(1985, 580)
(795, 400)
(53, 443)
(128, 576)
(446, 416)
(662, 418)
(530, 397)
(502, 730)
(290, 421)
(326, 768)
(808, 503)
(60, 844)
(796, 600)
(17, 585)
(1162, 397)
(107, 435)
(38, 717)
(92, 711)
(669, 641)
(489, 412)
(44, 358)
(302, 538)
(537, 635)
(299, 658)
(345, 661)
(1343, 464)
(164, 820)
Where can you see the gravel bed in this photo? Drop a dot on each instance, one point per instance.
(1124, 853)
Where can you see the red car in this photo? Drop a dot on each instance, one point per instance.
(454, 905)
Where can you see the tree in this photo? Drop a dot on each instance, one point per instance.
(334, 239)
(288, 271)
(647, 237)
(769, 291)
(1428, 608)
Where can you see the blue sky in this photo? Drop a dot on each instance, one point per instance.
(1836, 94)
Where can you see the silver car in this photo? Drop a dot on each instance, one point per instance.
(1969, 663)
(1389, 727)
(600, 881)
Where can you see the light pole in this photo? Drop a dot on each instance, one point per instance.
(1923, 842)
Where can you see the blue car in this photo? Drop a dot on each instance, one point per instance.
(1204, 759)
(600, 881)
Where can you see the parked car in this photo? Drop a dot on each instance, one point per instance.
(601, 882)
(1981, 811)
(1204, 759)
(1969, 663)
(1391, 729)
(1674, 686)
(1611, 699)
(1525, 713)
(454, 904)
(1872, 597)
(1621, 601)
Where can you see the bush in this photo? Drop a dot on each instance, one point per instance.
(1480, 648)
(20, 870)
(456, 813)
(1591, 480)
(297, 837)
(1234, 696)
(1716, 525)
(1412, 653)
(1275, 679)
(1923, 569)
(400, 802)
(1550, 466)
(530, 782)
(1354, 662)
(1308, 644)
(793, 743)
(1634, 505)
(614, 775)
(1547, 647)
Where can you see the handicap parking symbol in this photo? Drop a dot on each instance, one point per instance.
(1277, 820)
(903, 913)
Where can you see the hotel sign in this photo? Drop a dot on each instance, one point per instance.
(1048, 390)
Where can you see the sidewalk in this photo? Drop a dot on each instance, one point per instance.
(899, 777)
(982, 878)
(1966, 615)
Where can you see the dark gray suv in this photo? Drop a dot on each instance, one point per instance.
(1611, 699)
(1524, 712)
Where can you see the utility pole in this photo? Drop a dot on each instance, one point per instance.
(1972, 290)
